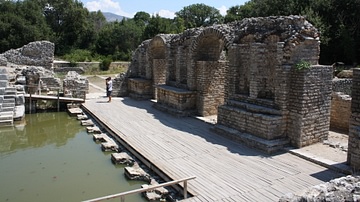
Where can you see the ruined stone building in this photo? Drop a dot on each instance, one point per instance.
(260, 76)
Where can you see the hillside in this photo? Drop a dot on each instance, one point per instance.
(110, 17)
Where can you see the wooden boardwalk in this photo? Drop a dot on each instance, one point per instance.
(51, 97)
(184, 147)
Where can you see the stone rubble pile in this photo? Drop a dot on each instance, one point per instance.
(340, 189)
(75, 85)
(38, 53)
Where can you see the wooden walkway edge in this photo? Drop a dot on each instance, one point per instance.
(49, 97)
(182, 147)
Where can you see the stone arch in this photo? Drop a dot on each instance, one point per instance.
(209, 45)
(210, 63)
(157, 60)
(157, 47)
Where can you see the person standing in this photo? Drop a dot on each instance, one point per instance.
(109, 86)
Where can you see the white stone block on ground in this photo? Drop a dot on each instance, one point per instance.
(102, 137)
(110, 145)
(122, 158)
(88, 122)
(93, 129)
(82, 117)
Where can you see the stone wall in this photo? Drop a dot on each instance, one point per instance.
(75, 85)
(243, 72)
(210, 86)
(309, 105)
(354, 129)
(38, 53)
(340, 111)
(341, 104)
(342, 85)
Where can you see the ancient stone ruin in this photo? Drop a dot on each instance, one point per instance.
(31, 67)
(353, 157)
(260, 76)
(38, 53)
(75, 85)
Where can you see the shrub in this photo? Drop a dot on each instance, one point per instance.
(302, 65)
(105, 64)
(78, 55)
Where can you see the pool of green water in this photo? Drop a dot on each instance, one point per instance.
(50, 157)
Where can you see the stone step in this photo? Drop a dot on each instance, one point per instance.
(268, 146)
(2, 90)
(7, 109)
(6, 105)
(9, 97)
(255, 101)
(3, 77)
(254, 108)
(3, 83)
(6, 118)
(266, 126)
(8, 100)
(10, 91)
(6, 115)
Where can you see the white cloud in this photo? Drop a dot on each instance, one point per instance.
(222, 10)
(107, 6)
(166, 14)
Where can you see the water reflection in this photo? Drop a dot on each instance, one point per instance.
(50, 157)
(38, 130)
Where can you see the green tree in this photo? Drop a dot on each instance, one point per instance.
(69, 21)
(142, 18)
(119, 39)
(21, 22)
(197, 15)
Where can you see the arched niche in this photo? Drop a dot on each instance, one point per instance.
(210, 64)
(157, 59)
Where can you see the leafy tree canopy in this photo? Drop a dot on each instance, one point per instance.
(197, 15)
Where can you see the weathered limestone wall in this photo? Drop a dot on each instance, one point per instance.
(210, 90)
(38, 53)
(340, 111)
(75, 85)
(309, 105)
(140, 88)
(120, 86)
(342, 85)
(353, 157)
(341, 104)
(175, 101)
(243, 72)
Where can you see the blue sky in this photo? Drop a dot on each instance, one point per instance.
(164, 8)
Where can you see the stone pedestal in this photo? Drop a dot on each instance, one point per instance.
(177, 101)
(140, 88)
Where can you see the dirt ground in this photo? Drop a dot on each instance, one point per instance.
(334, 149)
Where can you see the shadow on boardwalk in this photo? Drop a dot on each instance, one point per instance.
(224, 170)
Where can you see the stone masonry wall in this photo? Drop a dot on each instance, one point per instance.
(340, 111)
(342, 85)
(256, 83)
(211, 80)
(353, 157)
(38, 53)
(75, 85)
(341, 104)
(309, 105)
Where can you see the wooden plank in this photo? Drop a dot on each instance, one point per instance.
(182, 147)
